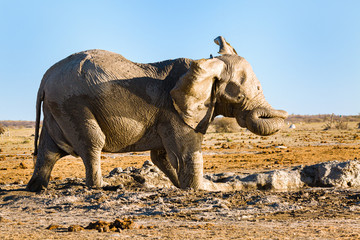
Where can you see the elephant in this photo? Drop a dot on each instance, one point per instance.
(98, 101)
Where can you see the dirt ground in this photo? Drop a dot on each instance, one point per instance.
(170, 213)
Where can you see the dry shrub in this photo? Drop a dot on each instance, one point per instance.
(339, 123)
(2, 129)
(225, 125)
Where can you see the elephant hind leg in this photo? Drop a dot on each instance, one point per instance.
(89, 143)
(92, 164)
(161, 160)
(85, 138)
(49, 153)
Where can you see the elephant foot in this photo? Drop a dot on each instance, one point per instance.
(102, 185)
(36, 184)
(96, 184)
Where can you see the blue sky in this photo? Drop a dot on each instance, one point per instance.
(305, 53)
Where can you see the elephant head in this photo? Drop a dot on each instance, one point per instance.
(225, 85)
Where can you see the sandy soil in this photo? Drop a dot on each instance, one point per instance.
(169, 213)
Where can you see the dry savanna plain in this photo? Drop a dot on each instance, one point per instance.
(131, 207)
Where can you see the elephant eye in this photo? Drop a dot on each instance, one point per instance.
(241, 96)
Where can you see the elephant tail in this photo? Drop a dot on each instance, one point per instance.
(39, 99)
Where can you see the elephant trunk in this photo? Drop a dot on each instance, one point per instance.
(265, 121)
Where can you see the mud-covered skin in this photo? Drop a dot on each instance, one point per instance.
(96, 101)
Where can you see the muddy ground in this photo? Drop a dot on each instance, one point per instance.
(164, 212)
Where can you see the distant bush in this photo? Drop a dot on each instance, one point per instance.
(320, 118)
(341, 125)
(2, 129)
(225, 125)
(18, 124)
(338, 123)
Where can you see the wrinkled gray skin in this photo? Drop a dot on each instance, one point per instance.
(96, 101)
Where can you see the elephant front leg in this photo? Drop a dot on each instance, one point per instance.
(190, 172)
(191, 176)
(161, 160)
(183, 148)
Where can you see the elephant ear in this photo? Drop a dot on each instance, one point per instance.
(194, 94)
(225, 47)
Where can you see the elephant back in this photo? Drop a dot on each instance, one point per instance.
(81, 72)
